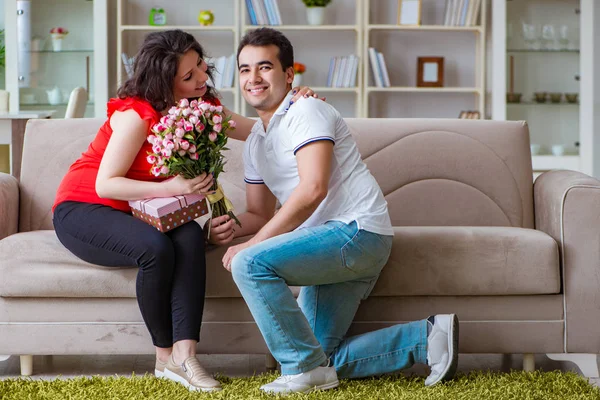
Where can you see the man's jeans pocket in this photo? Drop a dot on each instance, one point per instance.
(366, 253)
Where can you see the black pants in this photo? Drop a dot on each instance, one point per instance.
(171, 279)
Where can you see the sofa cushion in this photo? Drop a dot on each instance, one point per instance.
(36, 264)
(424, 261)
(473, 261)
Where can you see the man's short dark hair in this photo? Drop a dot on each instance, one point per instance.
(266, 36)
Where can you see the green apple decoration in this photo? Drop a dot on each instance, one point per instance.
(206, 17)
(157, 17)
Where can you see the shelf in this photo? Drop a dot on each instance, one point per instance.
(62, 51)
(549, 162)
(548, 103)
(317, 89)
(49, 105)
(182, 27)
(425, 89)
(426, 28)
(306, 27)
(542, 51)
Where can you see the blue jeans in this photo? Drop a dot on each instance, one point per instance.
(337, 266)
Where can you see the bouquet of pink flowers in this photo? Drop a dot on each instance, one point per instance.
(189, 141)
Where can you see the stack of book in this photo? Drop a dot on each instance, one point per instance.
(461, 12)
(223, 72)
(263, 12)
(343, 71)
(380, 72)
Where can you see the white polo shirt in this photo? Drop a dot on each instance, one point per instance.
(353, 193)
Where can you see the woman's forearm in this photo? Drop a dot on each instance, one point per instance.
(120, 188)
(243, 125)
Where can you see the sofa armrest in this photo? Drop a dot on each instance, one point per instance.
(567, 207)
(9, 205)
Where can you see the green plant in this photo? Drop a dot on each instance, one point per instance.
(316, 3)
(2, 50)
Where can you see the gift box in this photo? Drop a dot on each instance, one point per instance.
(166, 213)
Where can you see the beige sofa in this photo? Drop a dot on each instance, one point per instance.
(518, 263)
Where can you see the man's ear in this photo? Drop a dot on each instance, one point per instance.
(289, 75)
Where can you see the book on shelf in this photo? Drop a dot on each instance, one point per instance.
(128, 63)
(379, 68)
(263, 12)
(461, 12)
(343, 71)
(223, 72)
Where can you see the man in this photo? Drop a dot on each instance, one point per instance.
(332, 236)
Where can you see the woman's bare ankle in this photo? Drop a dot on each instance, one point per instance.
(182, 350)
(163, 354)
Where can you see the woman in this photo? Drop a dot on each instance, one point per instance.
(93, 220)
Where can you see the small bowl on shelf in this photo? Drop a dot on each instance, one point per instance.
(535, 149)
(513, 97)
(540, 97)
(558, 149)
(555, 97)
(571, 97)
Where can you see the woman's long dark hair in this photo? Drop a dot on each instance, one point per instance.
(155, 68)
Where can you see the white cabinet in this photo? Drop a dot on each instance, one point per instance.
(542, 52)
(45, 73)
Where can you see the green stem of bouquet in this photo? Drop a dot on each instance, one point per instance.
(219, 208)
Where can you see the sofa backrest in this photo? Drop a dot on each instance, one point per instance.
(432, 171)
(450, 172)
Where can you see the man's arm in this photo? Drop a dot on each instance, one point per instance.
(314, 169)
(260, 208)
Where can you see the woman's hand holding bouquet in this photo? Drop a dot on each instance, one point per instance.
(188, 143)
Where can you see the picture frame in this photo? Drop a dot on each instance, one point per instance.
(409, 12)
(430, 72)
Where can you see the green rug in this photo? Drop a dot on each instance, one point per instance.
(477, 385)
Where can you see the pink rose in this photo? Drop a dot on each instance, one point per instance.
(217, 128)
(167, 152)
(151, 139)
(151, 159)
(192, 150)
(200, 127)
(169, 136)
(156, 171)
(194, 156)
(160, 161)
(188, 127)
(194, 103)
(179, 132)
(193, 120)
(219, 109)
(167, 144)
(164, 170)
(179, 123)
(164, 119)
(173, 111)
(197, 113)
(181, 153)
(184, 144)
(204, 106)
(156, 148)
(213, 108)
(217, 119)
(232, 123)
(170, 122)
(184, 103)
(186, 112)
(212, 136)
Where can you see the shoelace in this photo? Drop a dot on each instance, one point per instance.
(285, 378)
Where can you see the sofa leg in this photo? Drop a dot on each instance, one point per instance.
(528, 362)
(270, 362)
(26, 365)
(587, 363)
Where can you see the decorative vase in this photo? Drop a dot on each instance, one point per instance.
(297, 80)
(57, 39)
(315, 15)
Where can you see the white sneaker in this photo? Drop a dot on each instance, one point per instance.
(442, 348)
(320, 378)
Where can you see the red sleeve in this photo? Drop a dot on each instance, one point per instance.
(142, 107)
